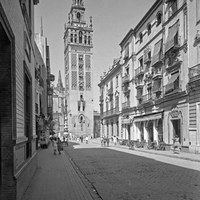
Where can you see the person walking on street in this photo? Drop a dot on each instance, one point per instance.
(107, 140)
(55, 146)
(86, 139)
(59, 146)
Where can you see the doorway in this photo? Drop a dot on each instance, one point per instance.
(177, 128)
(150, 131)
(129, 134)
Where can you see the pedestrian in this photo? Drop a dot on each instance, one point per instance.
(104, 141)
(59, 145)
(115, 140)
(101, 141)
(176, 145)
(55, 146)
(86, 139)
(108, 140)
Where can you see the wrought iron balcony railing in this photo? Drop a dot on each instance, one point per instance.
(126, 105)
(126, 78)
(139, 71)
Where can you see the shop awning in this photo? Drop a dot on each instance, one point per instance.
(156, 52)
(147, 117)
(126, 121)
(173, 30)
(170, 84)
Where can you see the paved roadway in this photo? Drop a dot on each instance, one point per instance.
(122, 174)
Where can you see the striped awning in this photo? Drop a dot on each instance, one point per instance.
(157, 52)
(173, 30)
(170, 84)
(147, 117)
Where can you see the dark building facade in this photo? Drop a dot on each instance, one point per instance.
(18, 153)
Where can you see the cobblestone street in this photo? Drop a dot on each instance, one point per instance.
(123, 176)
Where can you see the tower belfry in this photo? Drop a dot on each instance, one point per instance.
(78, 70)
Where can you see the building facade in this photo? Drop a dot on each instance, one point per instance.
(59, 107)
(161, 76)
(78, 71)
(110, 101)
(17, 117)
(194, 74)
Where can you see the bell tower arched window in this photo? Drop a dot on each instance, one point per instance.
(71, 37)
(80, 37)
(89, 40)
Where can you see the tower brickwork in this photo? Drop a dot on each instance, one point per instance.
(78, 71)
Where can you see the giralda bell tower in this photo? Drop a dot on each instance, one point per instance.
(78, 71)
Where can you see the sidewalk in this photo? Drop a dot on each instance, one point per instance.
(181, 155)
(56, 179)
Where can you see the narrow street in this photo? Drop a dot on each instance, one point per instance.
(122, 176)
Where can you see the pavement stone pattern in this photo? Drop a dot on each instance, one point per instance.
(56, 179)
(119, 176)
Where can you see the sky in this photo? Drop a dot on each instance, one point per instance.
(112, 19)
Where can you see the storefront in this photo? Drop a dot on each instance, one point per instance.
(149, 127)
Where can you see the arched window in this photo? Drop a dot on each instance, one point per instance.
(85, 39)
(159, 18)
(71, 38)
(89, 40)
(141, 38)
(80, 37)
(78, 15)
(75, 38)
(149, 29)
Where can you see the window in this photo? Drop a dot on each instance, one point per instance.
(149, 55)
(71, 38)
(75, 38)
(198, 11)
(89, 40)
(127, 71)
(27, 110)
(141, 38)
(117, 81)
(85, 39)
(26, 10)
(141, 62)
(149, 29)
(159, 18)
(80, 37)
(172, 7)
(78, 15)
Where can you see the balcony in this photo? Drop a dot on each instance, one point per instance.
(157, 74)
(126, 105)
(174, 65)
(147, 61)
(139, 84)
(113, 111)
(146, 98)
(139, 71)
(194, 73)
(173, 87)
(126, 79)
(126, 89)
